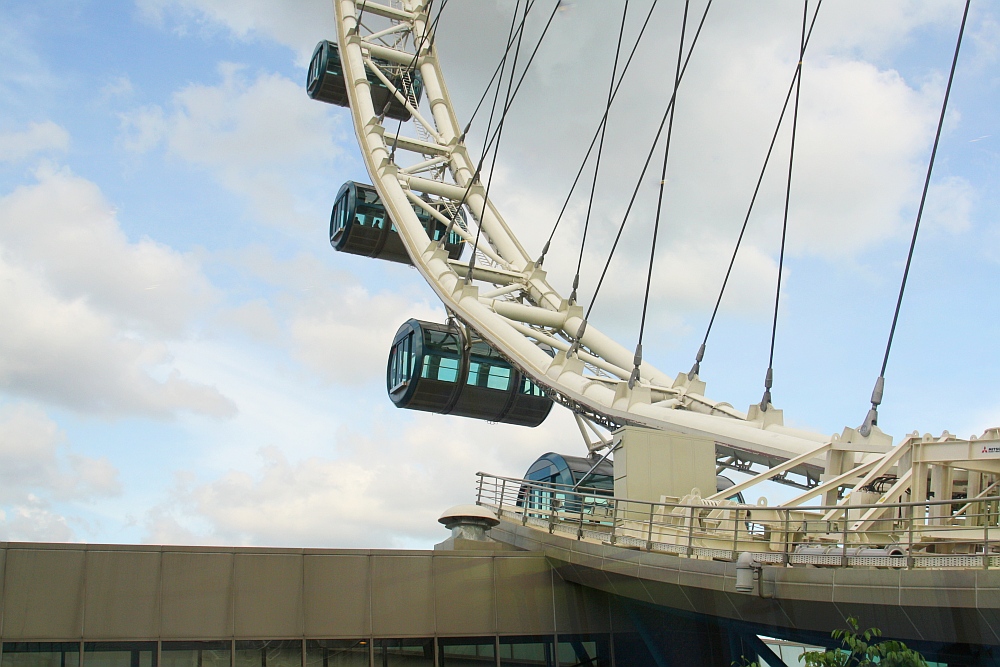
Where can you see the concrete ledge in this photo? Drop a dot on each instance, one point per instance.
(948, 606)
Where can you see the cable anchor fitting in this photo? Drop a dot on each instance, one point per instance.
(575, 347)
(545, 251)
(576, 285)
(636, 362)
(872, 418)
(697, 363)
(768, 382)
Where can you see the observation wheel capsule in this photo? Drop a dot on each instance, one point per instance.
(325, 82)
(360, 225)
(433, 368)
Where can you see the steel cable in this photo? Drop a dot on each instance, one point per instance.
(649, 157)
(699, 357)
(503, 117)
(600, 150)
(765, 401)
(872, 418)
(496, 72)
(597, 132)
(637, 359)
(507, 106)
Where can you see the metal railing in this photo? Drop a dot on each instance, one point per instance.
(957, 533)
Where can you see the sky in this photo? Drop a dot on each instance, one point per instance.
(185, 360)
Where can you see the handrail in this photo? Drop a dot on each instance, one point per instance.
(547, 486)
(899, 535)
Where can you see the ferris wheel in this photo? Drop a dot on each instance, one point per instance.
(513, 345)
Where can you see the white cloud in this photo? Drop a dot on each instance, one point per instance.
(254, 318)
(333, 324)
(84, 308)
(949, 205)
(863, 137)
(261, 137)
(63, 352)
(297, 25)
(34, 459)
(33, 521)
(63, 229)
(36, 468)
(384, 488)
(38, 138)
(119, 86)
(142, 129)
(347, 338)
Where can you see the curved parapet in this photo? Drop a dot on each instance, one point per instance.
(805, 578)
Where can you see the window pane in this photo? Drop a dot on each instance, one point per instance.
(195, 654)
(530, 388)
(441, 341)
(40, 654)
(337, 653)
(273, 653)
(482, 349)
(404, 652)
(447, 370)
(499, 378)
(527, 652)
(119, 654)
(590, 650)
(466, 652)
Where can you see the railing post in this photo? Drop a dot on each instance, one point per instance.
(614, 519)
(909, 548)
(986, 543)
(649, 534)
(479, 489)
(690, 545)
(579, 529)
(843, 557)
(785, 557)
(503, 490)
(736, 530)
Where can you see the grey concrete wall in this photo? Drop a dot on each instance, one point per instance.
(53, 592)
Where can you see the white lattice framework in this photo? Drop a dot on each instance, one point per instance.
(510, 303)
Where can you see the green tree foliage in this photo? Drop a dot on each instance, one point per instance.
(863, 649)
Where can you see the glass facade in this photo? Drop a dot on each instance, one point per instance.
(196, 654)
(592, 650)
(535, 651)
(269, 653)
(41, 654)
(589, 650)
(404, 652)
(337, 652)
(466, 651)
(119, 654)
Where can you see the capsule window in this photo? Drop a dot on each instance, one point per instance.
(530, 388)
(401, 366)
(340, 213)
(441, 341)
(489, 376)
(482, 349)
(370, 216)
(444, 369)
